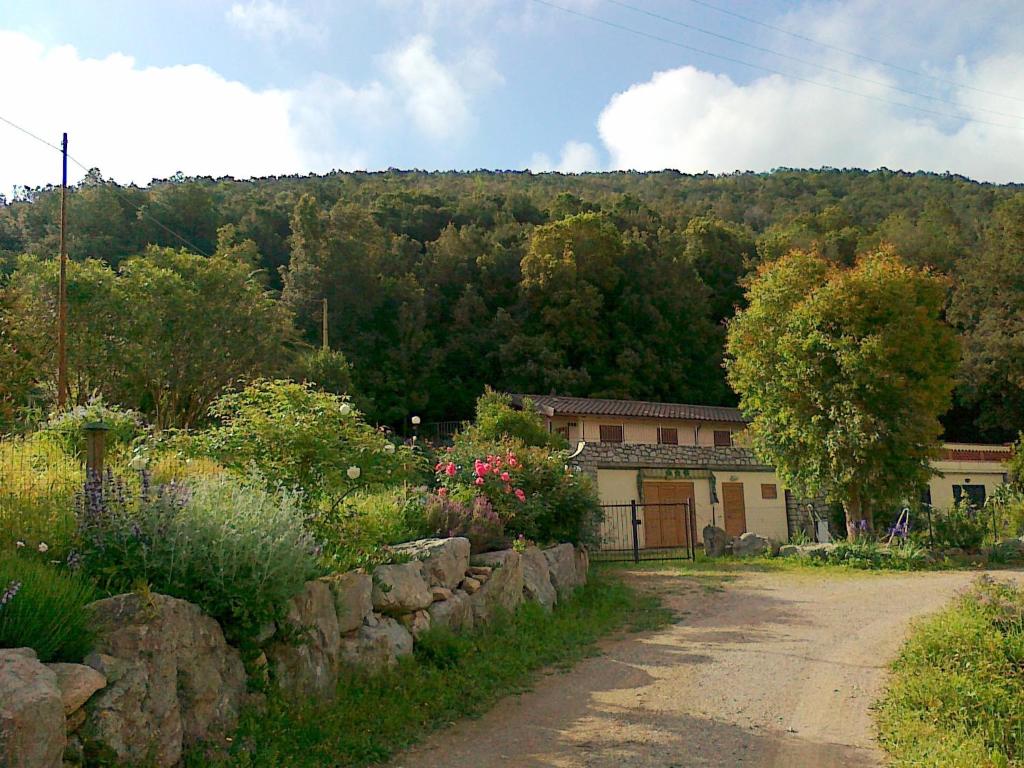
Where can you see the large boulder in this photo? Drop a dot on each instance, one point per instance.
(31, 712)
(562, 567)
(716, 541)
(353, 598)
(537, 584)
(750, 544)
(456, 612)
(77, 683)
(305, 662)
(376, 646)
(172, 681)
(400, 588)
(444, 560)
(503, 588)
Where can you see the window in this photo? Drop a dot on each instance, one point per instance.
(769, 491)
(723, 438)
(975, 494)
(611, 433)
(563, 431)
(668, 436)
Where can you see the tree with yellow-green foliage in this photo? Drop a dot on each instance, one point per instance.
(844, 373)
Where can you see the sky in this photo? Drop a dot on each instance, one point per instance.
(263, 87)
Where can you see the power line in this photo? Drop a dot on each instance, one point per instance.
(805, 62)
(855, 54)
(139, 209)
(734, 60)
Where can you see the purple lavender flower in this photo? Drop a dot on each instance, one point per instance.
(9, 593)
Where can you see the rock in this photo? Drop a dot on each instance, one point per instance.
(456, 613)
(441, 593)
(372, 620)
(582, 565)
(479, 570)
(400, 588)
(175, 682)
(562, 567)
(1011, 548)
(750, 544)
(417, 623)
(789, 550)
(537, 584)
(265, 633)
(353, 598)
(31, 712)
(77, 683)
(74, 721)
(307, 662)
(471, 585)
(444, 560)
(816, 551)
(715, 541)
(377, 647)
(503, 590)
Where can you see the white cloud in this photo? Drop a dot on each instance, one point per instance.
(437, 95)
(696, 121)
(267, 20)
(577, 157)
(138, 123)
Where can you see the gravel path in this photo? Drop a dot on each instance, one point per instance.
(765, 669)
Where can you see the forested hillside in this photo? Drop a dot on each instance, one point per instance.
(613, 284)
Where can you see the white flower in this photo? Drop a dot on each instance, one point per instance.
(138, 463)
(354, 472)
(43, 546)
(389, 448)
(19, 544)
(345, 409)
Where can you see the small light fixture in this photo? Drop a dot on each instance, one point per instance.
(415, 421)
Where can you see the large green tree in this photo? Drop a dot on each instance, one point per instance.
(844, 373)
(988, 304)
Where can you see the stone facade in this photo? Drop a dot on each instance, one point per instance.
(596, 456)
(798, 516)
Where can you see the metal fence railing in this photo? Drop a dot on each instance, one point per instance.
(648, 531)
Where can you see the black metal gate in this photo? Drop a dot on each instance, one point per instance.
(655, 531)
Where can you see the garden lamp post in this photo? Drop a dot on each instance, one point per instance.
(415, 427)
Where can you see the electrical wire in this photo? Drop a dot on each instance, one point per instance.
(806, 62)
(818, 83)
(855, 54)
(139, 209)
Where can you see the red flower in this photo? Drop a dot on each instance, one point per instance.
(450, 469)
(442, 492)
(520, 495)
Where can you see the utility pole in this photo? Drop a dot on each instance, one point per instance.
(62, 291)
(326, 344)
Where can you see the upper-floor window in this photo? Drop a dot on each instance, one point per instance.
(723, 438)
(769, 491)
(975, 494)
(611, 433)
(668, 436)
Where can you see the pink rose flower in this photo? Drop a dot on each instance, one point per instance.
(479, 481)
(520, 495)
(442, 492)
(506, 476)
(450, 469)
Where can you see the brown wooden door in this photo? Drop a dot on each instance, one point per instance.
(734, 509)
(665, 515)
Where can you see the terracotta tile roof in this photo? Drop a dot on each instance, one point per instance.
(557, 405)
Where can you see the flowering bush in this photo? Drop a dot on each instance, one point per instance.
(475, 519)
(236, 550)
(44, 609)
(962, 525)
(303, 439)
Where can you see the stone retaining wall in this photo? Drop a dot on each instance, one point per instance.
(163, 679)
(641, 455)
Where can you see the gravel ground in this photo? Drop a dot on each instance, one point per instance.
(761, 669)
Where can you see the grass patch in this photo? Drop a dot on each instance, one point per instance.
(449, 677)
(956, 699)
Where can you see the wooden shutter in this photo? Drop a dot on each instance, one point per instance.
(611, 433)
(668, 436)
(723, 438)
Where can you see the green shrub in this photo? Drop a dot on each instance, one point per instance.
(236, 550)
(47, 611)
(962, 526)
(496, 420)
(956, 699)
(870, 555)
(358, 531)
(303, 439)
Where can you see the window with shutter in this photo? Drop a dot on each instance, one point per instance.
(723, 438)
(668, 436)
(611, 433)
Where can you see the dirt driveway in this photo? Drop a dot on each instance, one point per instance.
(767, 669)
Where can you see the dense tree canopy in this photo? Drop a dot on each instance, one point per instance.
(438, 284)
(844, 373)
